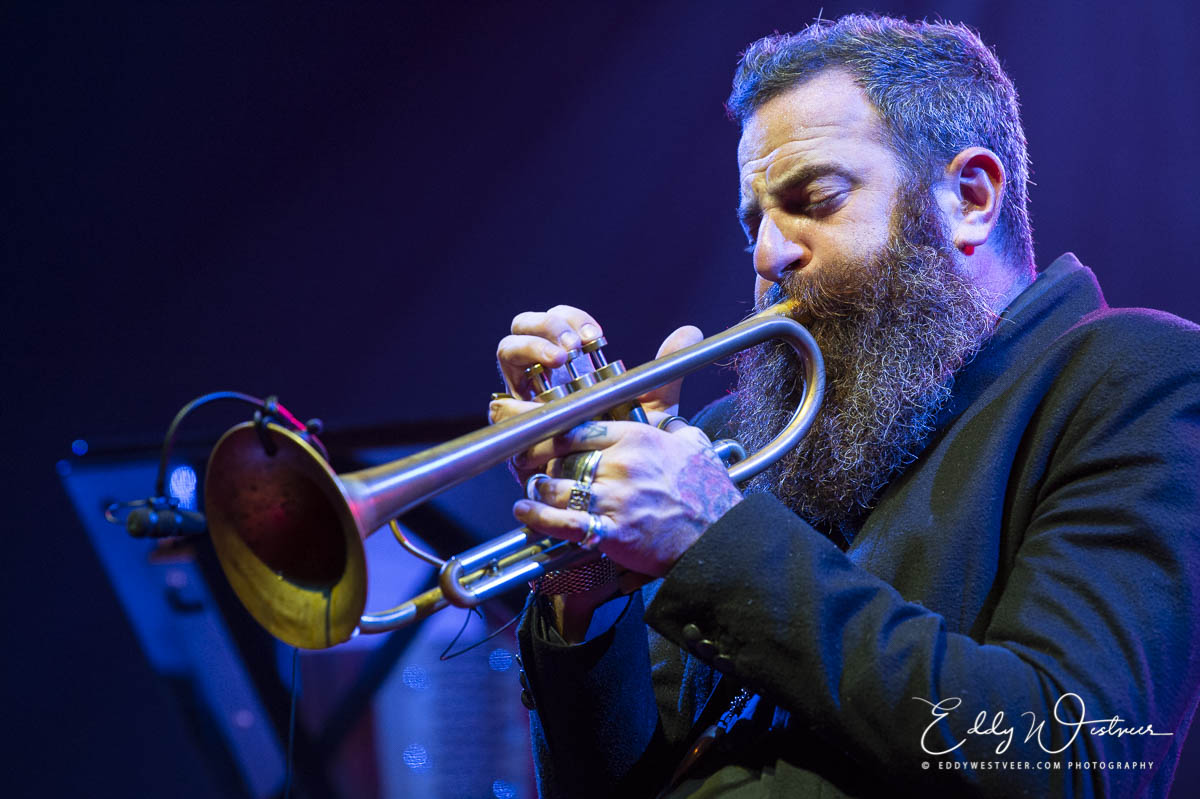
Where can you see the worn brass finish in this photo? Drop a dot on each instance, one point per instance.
(286, 536)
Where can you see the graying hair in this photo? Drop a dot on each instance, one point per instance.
(938, 88)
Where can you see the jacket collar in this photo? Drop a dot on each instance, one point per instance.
(1057, 299)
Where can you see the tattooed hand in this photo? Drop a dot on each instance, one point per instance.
(654, 493)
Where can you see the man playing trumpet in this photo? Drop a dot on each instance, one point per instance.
(977, 572)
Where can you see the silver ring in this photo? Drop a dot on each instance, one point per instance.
(670, 420)
(587, 474)
(581, 498)
(594, 536)
(531, 486)
(581, 494)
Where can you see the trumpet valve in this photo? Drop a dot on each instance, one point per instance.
(583, 381)
(594, 351)
(572, 367)
(543, 391)
(610, 370)
(579, 379)
(537, 377)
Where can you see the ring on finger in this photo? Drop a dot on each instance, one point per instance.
(665, 424)
(587, 471)
(594, 535)
(580, 499)
(531, 486)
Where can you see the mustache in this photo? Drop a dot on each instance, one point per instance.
(772, 296)
(837, 290)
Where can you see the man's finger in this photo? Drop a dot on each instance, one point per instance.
(589, 435)
(676, 423)
(564, 325)
(516, 353)
(568, 525)
(559, 492)
(666, 398)
(542, 337)
(505, 408)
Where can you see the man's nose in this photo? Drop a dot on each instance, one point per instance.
(775, 254)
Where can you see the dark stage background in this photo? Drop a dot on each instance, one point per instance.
(345, 204)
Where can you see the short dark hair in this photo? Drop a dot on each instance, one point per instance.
(938, 88)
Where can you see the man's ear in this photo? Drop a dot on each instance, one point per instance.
(971, 195)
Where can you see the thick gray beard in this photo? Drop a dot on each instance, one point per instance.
(892, 332)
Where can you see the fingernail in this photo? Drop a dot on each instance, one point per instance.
(549, 354)
(522, 507)
(569, 340)
(590, 331)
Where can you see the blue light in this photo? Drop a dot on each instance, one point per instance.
(79, 446)
(503, 789)
(183, 486)
(416, 758)
(415, 678)
(63, 468)
(500, 660)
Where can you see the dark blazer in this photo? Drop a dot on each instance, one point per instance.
(1043, 545)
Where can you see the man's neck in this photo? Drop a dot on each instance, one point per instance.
(1001, 281)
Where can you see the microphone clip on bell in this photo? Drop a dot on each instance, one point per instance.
(160, 516)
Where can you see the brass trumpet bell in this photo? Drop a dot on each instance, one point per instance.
(286, 535)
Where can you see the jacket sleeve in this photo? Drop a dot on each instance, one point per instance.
(610, 715)
(1100, 603)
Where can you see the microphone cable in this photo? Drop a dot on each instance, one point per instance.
(159, 516)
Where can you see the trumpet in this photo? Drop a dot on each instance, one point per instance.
(289, 532)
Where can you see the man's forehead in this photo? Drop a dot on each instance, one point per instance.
(829, 108)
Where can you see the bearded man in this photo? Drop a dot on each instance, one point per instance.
(977, 573)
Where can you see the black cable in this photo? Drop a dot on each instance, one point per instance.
(287, 786)
(160, 516)
(270, 408)
(444, 656)
(160, 482)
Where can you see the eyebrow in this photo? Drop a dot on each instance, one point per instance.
(799, 175)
